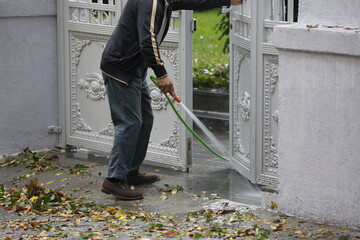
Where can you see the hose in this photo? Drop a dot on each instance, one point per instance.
(154, 80)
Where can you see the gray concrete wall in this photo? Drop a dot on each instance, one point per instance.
(330, 12)
(28, 74)
(319, 102)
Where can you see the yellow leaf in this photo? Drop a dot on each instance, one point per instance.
(122, 218)
(298, 232)
(274, 205)
(312, 26)
(98, 233)
(33, 198)
(65, 179)
(163, 196)
(320, 230)
(277, 227)
(64, 215)
(286, 228)
(50, 182)
(345, 230)
(174, 191)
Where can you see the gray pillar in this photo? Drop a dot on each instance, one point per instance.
(319, 99)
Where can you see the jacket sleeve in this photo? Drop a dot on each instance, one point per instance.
(149, 19)
(199, 4)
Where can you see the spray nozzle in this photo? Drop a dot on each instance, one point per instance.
(176, 98)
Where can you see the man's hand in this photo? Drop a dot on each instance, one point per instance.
(166, 85)
(236, 2)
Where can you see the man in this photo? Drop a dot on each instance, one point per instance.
(132, 48)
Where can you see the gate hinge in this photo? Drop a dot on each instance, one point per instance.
(193, 25)
(225, 10)
(189, 151)
(54, 129)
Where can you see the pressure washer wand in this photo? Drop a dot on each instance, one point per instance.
(154, 80)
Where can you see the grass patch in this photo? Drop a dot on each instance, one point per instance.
(210, 64)
(206, 46)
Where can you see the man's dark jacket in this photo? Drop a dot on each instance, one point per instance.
(134, 42)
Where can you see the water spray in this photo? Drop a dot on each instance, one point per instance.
(176, 98)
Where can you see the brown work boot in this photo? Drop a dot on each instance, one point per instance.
(141, 179)
(120, 190)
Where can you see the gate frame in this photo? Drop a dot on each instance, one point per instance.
(185, 90)
(260, 141)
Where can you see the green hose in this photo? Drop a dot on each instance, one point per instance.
(154, 80)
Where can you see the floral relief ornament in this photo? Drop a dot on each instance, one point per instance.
(274, 76)
(93, 85)
(109, 130)
(244, 105)
(79, 45)
(158, 100)
(80, 122)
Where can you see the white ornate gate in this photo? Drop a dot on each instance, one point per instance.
(254, 84)
(84, 29)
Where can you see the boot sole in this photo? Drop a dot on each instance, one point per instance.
(120, 197)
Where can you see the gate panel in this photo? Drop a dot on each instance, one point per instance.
(254, 84)
(85, 27)
(240, 108)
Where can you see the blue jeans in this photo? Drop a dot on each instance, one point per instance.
(131, 113)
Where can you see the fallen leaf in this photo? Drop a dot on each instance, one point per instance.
(277, 227)
(312, 26)
(64, 179)
(274, 205)
(170, 233)
(197, 235)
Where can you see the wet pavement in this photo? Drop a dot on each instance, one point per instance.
(207, 174)
(210, 184)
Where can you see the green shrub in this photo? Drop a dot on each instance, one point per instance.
(210, 75)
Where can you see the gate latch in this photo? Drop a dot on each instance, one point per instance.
(193, 25)
(54, 129)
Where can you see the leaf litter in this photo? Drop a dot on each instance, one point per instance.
(39, 212)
